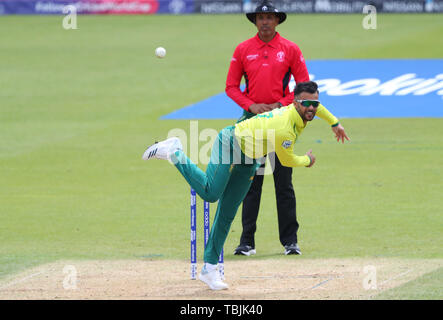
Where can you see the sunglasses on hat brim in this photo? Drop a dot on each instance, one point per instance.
(308, 103)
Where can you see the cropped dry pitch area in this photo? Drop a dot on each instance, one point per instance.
(268, 279)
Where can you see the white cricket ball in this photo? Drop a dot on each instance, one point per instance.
(160, 52)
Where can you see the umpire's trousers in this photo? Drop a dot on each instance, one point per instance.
(286, 205)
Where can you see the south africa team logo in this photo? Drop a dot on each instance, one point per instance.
(286, 144)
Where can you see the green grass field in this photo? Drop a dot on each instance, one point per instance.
(78, 108)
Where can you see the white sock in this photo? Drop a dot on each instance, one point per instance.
(210, 267)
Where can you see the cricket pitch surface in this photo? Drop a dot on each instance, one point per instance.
(289, 278)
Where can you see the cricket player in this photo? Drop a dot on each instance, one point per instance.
(235, 156)
(267, 62)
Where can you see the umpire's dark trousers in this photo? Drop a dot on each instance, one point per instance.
(286, 203)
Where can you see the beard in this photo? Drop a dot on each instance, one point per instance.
(309, 115)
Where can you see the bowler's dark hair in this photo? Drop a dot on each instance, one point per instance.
(308, 86)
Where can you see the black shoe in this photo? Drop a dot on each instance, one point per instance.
(244, 250)
(292, 248)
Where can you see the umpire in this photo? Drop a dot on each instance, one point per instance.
(267, 62)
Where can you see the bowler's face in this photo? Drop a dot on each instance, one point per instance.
(306, 113)
(266, 24)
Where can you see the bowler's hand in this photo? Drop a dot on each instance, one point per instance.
(340, 133)
(312, 157)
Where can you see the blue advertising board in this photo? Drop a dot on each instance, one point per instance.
(97, 6)
(214, 6)
(176, 6)
(355, 89)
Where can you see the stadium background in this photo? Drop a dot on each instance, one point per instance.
(213, 7)
(78, 107)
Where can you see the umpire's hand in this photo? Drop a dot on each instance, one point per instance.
(258, 108)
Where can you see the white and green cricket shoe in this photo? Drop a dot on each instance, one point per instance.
(212, 278)
(163, 149)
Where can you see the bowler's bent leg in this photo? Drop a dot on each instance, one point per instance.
(233, 195)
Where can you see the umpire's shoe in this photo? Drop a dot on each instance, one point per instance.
(244, 250)
(292, 248)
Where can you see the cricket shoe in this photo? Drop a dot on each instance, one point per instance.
(163, 149)
(292, 248)
(244, 250)
(212, 279)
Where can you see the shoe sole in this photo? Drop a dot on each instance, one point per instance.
(291, 252)
(245, 253)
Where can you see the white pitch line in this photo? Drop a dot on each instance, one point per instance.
(321, 283)
(293, 277)
(21, 280)
(396, 277)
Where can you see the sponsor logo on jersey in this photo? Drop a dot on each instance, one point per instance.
(252, 57)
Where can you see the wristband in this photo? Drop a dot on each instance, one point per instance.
(310, 161)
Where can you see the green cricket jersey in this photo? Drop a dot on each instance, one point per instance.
(277, 130)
